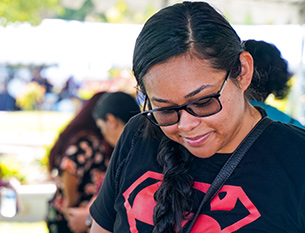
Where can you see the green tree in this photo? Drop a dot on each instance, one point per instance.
(32, 11)
(119, 13)
(88, 9)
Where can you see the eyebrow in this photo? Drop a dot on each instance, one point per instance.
(196, 91)
(193, 93)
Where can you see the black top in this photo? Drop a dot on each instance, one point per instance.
(265, 193)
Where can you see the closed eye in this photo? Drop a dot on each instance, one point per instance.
(203, 102)
(166, 112)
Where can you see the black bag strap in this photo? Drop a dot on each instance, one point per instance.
(230, 165)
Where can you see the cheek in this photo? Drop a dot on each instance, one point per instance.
(232, 104)
(223, 121)
(171, 132)
(102, 129)
(105, 131)
(230, 116)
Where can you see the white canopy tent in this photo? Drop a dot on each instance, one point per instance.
(58, 41)
(84, 50)
(104, 45)
(89, 50)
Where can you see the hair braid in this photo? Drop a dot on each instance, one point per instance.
(174, 196)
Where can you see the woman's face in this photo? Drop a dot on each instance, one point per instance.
(183, 79)
(107, 131)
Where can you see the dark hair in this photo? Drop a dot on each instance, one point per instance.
(272, 70)
(188, 28)
(82, 122)
(193, 28)
(120, 104)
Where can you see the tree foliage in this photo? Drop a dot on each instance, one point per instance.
(120, 12)
(32, 11)
(79, 14)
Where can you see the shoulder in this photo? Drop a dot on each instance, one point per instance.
(85, 136)
(82, 142)
(131, 133)
(137, 132)
(132, 130)
(285, 136)
(288, 129)
(136, 123)
(140, 130)
(280, 149)
(134, 142)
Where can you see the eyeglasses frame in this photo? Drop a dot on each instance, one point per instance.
(178, 108)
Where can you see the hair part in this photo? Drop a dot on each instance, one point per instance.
(193, 28)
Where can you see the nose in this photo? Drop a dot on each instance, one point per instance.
(187, 121)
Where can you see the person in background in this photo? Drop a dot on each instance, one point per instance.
(39, 79)
(77, 161)
(7, 102)
(271, 77)
(193, 70)
(111, 113)
(81, 156)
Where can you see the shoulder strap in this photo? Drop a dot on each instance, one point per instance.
(230, 165)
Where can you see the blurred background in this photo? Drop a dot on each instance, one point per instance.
(56, 54)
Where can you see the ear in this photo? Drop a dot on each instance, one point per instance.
(246, 74)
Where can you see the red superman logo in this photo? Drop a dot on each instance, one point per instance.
(143, 205)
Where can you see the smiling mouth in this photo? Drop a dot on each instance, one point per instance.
(196, 141)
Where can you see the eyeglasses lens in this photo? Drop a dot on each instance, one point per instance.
(200, 108)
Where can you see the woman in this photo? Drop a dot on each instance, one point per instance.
(111, 113)
(191, 66)
(79, 158)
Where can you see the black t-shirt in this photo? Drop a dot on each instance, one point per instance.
(265, 193)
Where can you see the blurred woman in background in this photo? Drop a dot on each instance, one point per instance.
(78, 161)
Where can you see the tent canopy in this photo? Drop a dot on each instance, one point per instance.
(100, 46)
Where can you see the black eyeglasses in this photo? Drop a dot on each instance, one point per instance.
(201, 107)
